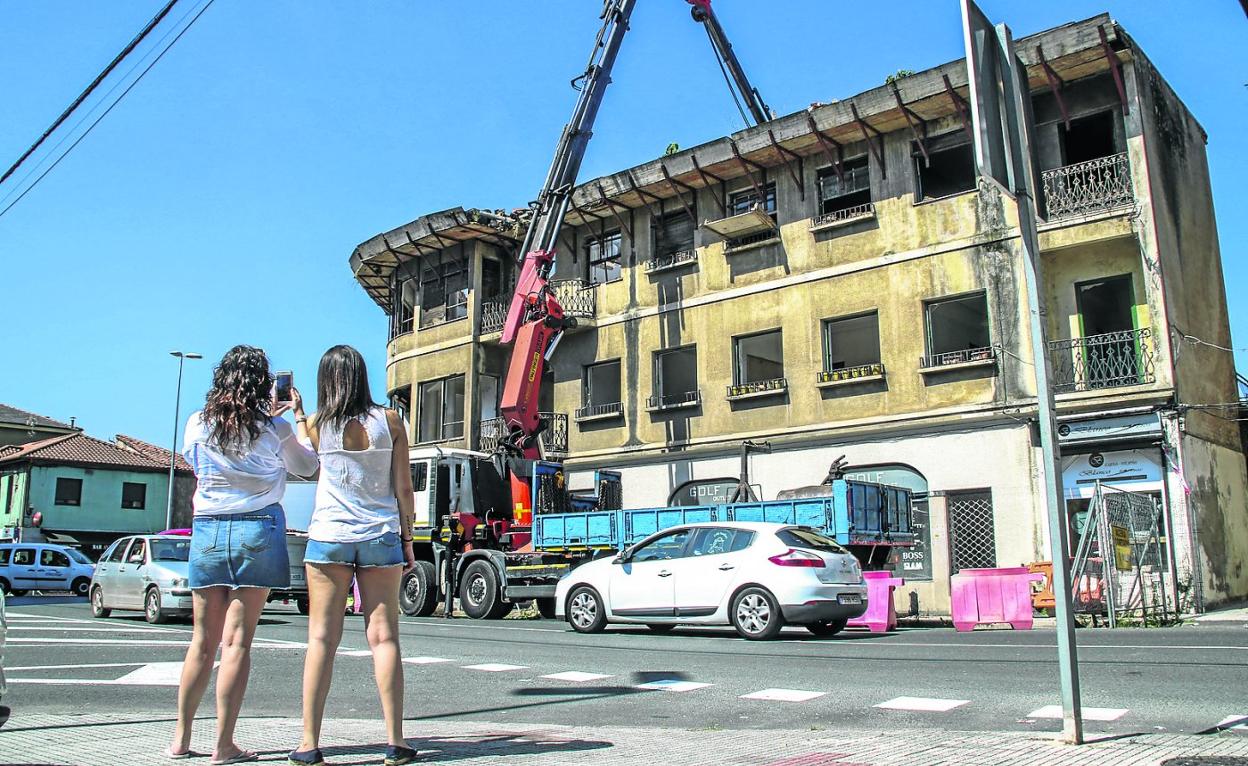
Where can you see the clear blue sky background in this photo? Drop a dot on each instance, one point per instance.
(219, 203)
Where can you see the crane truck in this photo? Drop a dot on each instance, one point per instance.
(497, 529)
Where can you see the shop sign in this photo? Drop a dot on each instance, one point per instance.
(1138, 470)
(1119, 428)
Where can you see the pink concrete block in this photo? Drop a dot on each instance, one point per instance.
(881, 614)
(986, 596)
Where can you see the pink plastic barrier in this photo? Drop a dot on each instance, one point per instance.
(985, 596)
(881, 614)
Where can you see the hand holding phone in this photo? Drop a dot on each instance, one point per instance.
(283, 383)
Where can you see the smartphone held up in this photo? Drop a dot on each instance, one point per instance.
(283, 382)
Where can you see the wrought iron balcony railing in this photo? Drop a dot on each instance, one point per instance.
(1110, 360)
(600, 411)
(553, 438)
(1088, 187)
(671, 260)
(578, 297)
(674, 401)
(772, 386)
(851, 373)
(950, 358)
(494, 313)
(847, 215)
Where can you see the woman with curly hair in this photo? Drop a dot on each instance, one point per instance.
(241, 450)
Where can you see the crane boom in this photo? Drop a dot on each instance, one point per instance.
(703, 14)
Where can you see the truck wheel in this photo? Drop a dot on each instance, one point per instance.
(303, 606)
(479, 595)
(418, 595)
(585, 611)
(151, 607)
(545, 607)
(756, 615)
(97, 603)
(829, 628)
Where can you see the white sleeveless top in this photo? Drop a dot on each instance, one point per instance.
(355, 494)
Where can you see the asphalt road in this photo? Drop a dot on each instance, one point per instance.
(1187, 679)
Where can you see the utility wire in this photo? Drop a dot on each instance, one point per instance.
(110, 108)
(90, 88)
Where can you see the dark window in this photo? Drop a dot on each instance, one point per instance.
(946, 171)
(1089, 138)
(849, 189)
(676, 372)
(441, 410)
(603, 253)
(68, 492)
(602, 383)
(401, 401)
(137, 551)
(118, 551)
(24, 557)
(759, 358)
(420, 476)
(851, 342)
(1106, 305)
(717, 540)
(669, 546)
(5, 554)
(443, 291)
(957, 325)
(673, 233)
(742, 201)
(971, 530)
(491, 277)
(133, 495)
(52, 558)
(809, 538)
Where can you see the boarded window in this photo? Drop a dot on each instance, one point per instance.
(759, 358)
(133, 495)
(851, 342)
(849, 189)
(68, 492)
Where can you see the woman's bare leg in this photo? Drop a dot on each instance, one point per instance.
(241, 617)
(208, 606)
(327, 601)
(379, 592)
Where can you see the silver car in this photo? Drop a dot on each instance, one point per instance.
(147, 573)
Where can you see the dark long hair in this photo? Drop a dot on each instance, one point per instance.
(342, 387)
(240, 398)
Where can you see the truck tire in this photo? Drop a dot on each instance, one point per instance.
(304, 607)
(545, 607)
(479, 593)
(829, 628)
(418, 594)
(756, 615)
(585, 611)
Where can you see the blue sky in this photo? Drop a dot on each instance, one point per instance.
(218, 204)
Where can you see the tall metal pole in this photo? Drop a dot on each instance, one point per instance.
(173, 450)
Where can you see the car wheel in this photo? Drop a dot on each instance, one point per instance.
(585, 611)
(828, 628)
(303, 606)
(81, 587)
(479, 595)
(97, 603)
(661, 627)
(5, 587)
(546, 607)
(151, 607)
(756, 615)
(418, 596)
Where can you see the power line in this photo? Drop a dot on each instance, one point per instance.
(110, 108)
(90, 88)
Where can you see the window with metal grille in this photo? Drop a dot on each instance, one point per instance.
(603, 253)
(972, 535)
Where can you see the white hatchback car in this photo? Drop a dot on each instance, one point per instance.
(755, 576)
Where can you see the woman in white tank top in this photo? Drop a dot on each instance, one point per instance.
(361, 528)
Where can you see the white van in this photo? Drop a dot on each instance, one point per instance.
(43, 566)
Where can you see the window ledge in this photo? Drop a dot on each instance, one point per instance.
(669, 265)
(758, 394)
(438, 441)
(443, 323)
(596, 418)
(751, 246)
(848, 381)
(836, 223)
(931, 200)
(968, 365)
(678, 406)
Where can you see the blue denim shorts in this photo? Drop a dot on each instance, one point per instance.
(383, 551)
(240, 550)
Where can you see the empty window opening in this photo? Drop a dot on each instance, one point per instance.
(852, 342)
(491, 277)
(441, 410)
(759, 358)
(602, 384)
(68, 492)
(133, 495)
(956, 326)
(1088, 138)
(1106, 305)
(851, 188)
(603, 253)
(443, 291)
(946, 172)
(673, 233)
(676, 374)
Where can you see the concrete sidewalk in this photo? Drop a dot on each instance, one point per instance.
(87, 740)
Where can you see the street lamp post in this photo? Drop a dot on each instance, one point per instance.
(173, 451)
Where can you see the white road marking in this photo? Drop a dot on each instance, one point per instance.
(1089, 713)
(74, 667)
(576, 676)
(356, 652)
(495, 667)
(424, 660)
(922, 704)
(672, 685)
(1230, 719)
(148, 674)
(783, 695)
(75, 629)
(259, 643)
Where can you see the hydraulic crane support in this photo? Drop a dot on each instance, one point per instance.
(703, 14)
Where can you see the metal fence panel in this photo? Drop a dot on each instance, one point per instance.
(971, 529)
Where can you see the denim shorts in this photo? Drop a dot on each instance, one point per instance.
(383, 551)
(240, 550)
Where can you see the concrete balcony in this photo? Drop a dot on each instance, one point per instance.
(1111, 360)
(1088, 188)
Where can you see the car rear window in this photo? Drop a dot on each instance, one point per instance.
(809, 538)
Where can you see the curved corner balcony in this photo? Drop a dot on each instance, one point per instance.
(578, 298)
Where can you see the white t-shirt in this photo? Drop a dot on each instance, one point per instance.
(230, 482)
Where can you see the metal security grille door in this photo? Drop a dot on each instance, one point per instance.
(971, 532)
